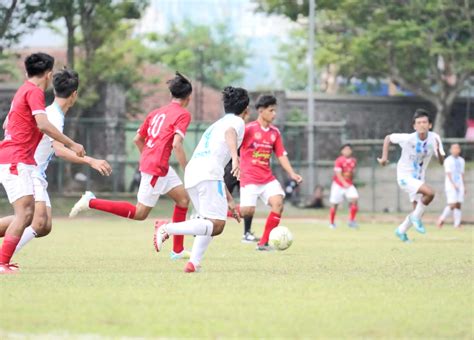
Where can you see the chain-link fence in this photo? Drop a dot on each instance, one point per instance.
(113, 140)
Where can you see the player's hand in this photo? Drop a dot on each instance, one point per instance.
(235, 168)
(382, 161)
(78, 149)
(233, 210)
(102, 167)
(296, 177)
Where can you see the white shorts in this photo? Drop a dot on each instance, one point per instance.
(17, 180)
(454, 196)
(40, 185)
(338, 193)
(251, 192)
(151, 187)
(209, 199)
(411, 186)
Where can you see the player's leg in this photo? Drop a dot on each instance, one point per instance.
(24, 209)
(40, 226)
(457, 214)
(449, 208)
(335, 198)
(18, 185)
(248, 202)
(148, 194)
(272, 195)
(427, 196)
(411, 188)
(179, 195)
(209, 199)
(352, 196)
(273, 220)
(4, 223)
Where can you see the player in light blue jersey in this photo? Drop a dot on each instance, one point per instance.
(454, 186)
(65, 83)
(417, 150)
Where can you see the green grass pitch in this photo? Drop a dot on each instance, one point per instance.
(102, 277)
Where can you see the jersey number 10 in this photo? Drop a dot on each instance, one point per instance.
(154, 129)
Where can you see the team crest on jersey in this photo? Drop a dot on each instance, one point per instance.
(273, 137)
(257, 135)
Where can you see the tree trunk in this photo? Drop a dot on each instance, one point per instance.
(442, 112)
(71, 42)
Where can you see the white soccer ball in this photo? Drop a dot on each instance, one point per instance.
(281, 238)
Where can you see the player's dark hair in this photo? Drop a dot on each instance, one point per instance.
(345, 145)
(37, 64)
(65, 82)
(236, 100)
(180, 87)
(421, 113)
(265, 101)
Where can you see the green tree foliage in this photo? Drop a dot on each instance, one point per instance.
(210, 54)
(424, 46)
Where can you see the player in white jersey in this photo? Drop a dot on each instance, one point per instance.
(417, 150)
(454, 186)
(204, 179)
(65, 83)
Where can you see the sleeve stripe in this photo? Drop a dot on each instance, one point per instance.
(36, 112)
(179, 132)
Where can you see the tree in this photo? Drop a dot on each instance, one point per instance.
(424, 46)
(16, 19)
(210, 54)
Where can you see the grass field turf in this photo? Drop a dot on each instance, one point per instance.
(102, 277)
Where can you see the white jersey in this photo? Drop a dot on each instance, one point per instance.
(416, 153)
(212, 153)
(45, 152)
(454, 166)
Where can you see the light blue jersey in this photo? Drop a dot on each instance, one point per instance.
(45, 152)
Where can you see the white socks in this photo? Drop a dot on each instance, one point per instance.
(200, 245)
(457, 217)
(197, 226)
(406, 224)
(446, 213)
(419, 210)
(28, 235)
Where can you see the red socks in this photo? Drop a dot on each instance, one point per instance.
(8, 248)
(353, 211)
(332, 215)
(120, 208)
(179, 215)
(272, 221)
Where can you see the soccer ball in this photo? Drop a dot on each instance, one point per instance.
(281, 238)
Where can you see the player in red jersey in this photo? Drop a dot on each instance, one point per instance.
(261, 140)
(161, 133)
(24, 127)
(342, 186)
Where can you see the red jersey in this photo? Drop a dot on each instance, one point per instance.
(346, 167)
(256, 151)
(22, 135)
(159, 129)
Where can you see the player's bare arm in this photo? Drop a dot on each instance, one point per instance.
(231, 141)
(49, 129)
(100, 165)
(178, 150)
(139, 142)
(439, 153)
(386, 144)
(286, 165)
(231, 205)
